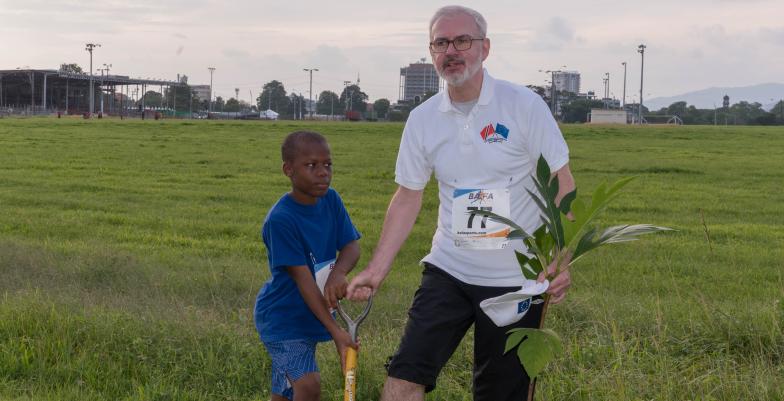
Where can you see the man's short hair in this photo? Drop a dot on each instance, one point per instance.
(293, 141)
(448, 11)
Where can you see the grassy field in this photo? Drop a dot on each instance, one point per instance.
(130, 259)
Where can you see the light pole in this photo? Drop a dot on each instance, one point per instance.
(104, 69)
(624, 84)
(209, 103)
(310, 91)
(237, 98)
(345, 85)
(89, 47)
(641, 50)
(606, 81)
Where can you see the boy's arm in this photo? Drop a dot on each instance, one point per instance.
(336, 285)
(310, 293)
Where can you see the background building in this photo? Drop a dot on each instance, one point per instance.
(568, 81)
(416, 80)
(201, 91)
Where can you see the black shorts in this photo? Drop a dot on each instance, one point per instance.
(444, 308)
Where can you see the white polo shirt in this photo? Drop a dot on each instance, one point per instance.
(481, 160)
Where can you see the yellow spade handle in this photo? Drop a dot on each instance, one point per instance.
(350, 387)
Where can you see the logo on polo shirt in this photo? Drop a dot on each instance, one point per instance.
(491, 134)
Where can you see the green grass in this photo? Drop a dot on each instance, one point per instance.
(130, 259)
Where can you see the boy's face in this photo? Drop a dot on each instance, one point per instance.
(310, 172)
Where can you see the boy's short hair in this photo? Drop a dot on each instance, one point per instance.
(290, 146)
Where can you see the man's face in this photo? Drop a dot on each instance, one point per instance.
(456, 66)
(310, 172)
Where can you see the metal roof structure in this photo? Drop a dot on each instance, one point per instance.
(39, 91)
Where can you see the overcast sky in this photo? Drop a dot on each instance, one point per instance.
(691, 45)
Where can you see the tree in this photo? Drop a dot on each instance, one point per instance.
(232, 105)
(180, 95)
(778, 111)
(71, 68)
(298, 109)
(218, 104)
(151, 99)
(744, 112)
(766, 119)
(399, 113)
(539, 90)
(355, 96)
(381, 107)
(273, 96)
(577, 110)
(677, 109)
(329, 103)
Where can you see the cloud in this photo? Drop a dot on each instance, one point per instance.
(553, 36)
(326, 57)
(773, 36)
(560, 29)
(236, 54)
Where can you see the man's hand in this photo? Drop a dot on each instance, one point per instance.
(561, 279)
(363, 285)
(335, 288)
(342, 343)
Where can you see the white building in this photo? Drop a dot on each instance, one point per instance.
(417, 80)
(568, 81)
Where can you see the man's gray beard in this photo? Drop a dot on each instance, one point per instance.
(458, 80)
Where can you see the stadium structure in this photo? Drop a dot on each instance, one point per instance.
(42, 91)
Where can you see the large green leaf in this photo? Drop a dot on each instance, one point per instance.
(615, 234)
(537, 348)
(583, 215)
(525, 266)
(566, 201)
(514, 338)
(501, 219)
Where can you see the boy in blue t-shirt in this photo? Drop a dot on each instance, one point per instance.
(311, 246)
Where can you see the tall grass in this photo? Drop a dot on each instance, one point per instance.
(130, 259)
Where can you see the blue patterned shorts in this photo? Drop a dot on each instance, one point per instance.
(291, 359)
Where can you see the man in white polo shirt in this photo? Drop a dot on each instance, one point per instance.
(481, 138)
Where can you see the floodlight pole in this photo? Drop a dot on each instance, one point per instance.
(104, 69)
(310, 91)
(624, 84)
(89, 47)
(641, 50)
(209, 102)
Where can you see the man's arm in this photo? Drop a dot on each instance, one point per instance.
(310, 293)
(401, 215)
(563, 280)
(336, 285)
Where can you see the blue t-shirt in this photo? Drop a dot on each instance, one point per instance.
(298, 235)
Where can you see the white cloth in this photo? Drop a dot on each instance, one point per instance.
(511, 307)
(495, 146)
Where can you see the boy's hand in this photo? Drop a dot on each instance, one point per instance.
(335, 287)
(342, 343)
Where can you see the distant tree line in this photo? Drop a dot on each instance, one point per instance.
(293, 105)
(741, 113)
(575, 109)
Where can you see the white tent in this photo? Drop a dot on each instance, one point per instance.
(268, 114)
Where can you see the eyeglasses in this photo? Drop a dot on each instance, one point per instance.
(460, 43)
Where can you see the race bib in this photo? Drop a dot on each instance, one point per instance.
(473, 231)
(322, 273)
